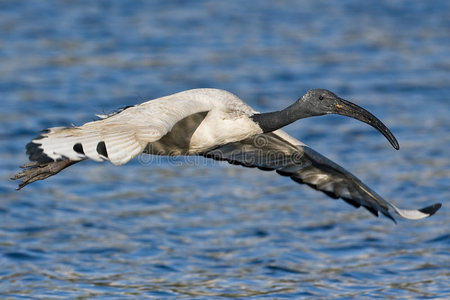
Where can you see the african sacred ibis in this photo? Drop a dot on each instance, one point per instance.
(216, 124)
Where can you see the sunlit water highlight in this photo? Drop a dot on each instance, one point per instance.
(160, 228)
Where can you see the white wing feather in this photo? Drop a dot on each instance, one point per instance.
(127, 133)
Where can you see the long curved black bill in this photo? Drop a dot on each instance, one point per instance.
(346, 108)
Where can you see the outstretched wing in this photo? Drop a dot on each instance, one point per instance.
(289, 157)
(117, 137)
(162, 126)
(121, 136)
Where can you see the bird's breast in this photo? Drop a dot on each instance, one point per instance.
(203, 131)
(217, 129)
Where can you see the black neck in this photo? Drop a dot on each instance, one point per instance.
(278, 119)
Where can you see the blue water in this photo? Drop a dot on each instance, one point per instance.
(201, 229)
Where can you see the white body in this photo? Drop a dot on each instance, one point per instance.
(208, 122)
(127, 133)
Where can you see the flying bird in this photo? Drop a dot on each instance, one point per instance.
(215, 124)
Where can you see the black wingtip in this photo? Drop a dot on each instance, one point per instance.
(36, 153)
(391, 218)
(432, 209)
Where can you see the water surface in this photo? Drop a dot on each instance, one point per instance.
(158, 228)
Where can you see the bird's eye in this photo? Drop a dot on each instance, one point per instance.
(320, 97)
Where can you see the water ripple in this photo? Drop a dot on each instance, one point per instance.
(166, 228)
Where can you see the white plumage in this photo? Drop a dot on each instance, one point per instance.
(218, 125)
(127, 133)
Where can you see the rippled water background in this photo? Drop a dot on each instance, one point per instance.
(160, 228)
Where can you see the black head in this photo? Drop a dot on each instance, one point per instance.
(317, 102)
